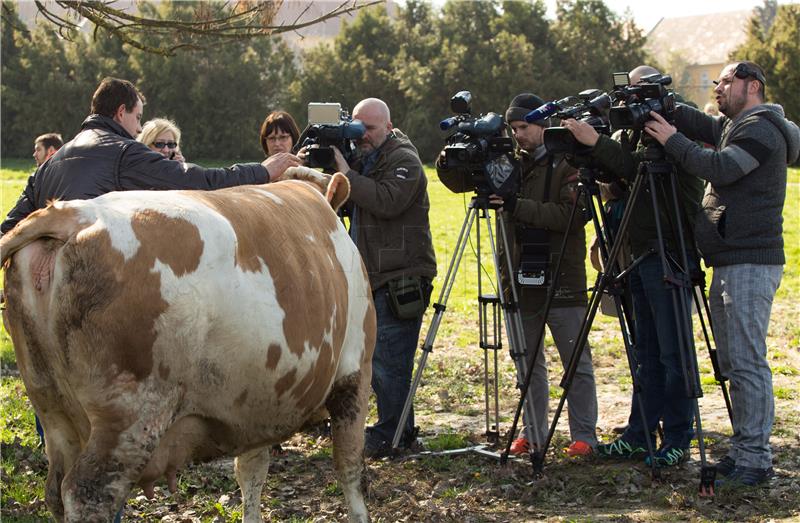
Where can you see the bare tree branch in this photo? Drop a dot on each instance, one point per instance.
(211, 24)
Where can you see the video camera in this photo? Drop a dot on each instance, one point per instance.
(590, 106)
(476, 154)
(328, 126)
(650, 94)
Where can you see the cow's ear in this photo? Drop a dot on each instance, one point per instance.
(338, 190)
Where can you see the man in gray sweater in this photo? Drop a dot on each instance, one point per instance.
(740, 234)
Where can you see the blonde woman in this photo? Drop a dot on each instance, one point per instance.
(163, 136)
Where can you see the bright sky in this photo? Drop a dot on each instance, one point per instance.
(647, 13)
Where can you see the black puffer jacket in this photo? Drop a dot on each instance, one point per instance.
(103, 158)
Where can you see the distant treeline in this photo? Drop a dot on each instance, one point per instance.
(415, 61)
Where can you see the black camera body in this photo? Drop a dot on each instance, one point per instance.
(476, 154)
(590, 106)
(636, 101)
(320, 137)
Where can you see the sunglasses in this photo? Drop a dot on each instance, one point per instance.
(161, 145)
(742, 71)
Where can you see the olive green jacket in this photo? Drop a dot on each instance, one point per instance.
(553, 214)
(392, 231)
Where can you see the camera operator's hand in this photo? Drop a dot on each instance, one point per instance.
(278, 163)
(659, 128)
(341, 165)
(582, 131)
(507, 204)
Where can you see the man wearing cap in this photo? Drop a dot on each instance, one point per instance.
(740, 234)
(536, 218)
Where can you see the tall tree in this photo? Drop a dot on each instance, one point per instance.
(777, 50)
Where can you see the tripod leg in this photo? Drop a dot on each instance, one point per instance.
(604, 280)
(520, 349)
(433, 329)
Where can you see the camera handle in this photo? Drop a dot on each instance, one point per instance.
(479, 209)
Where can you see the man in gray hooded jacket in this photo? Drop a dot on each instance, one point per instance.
(740, 234)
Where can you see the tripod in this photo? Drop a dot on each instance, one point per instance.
(490, 331)
(653, 171)
(588, 191)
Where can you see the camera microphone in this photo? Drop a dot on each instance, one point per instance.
(543, 111)
(447, 123)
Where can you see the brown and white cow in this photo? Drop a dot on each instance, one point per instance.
(155, 328)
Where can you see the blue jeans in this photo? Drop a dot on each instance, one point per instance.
(393, 365)
(657, 354)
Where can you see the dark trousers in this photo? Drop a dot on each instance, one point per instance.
(393, 365)
(659, 368)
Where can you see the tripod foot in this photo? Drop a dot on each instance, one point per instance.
(537, 459)
(707, 476)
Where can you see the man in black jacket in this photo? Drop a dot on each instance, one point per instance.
(105, 157)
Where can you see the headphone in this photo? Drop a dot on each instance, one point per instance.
(743, 71)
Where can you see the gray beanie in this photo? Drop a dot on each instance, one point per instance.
(521, 105)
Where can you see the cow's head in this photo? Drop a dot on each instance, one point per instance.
(336, 187)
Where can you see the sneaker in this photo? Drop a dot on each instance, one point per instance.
(520, 446)
(620, 449)
(742, 476)
(668, 456)
(579, 448)
(725, 466)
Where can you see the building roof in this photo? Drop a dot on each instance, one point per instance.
(701, 39)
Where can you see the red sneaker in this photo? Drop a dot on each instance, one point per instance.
(520, 446)
(579, 448)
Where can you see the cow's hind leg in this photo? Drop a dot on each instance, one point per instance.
(62, 448)
(347, 405)
(251, 473)
(101, 478)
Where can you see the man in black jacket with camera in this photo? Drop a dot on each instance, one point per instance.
(105, 157)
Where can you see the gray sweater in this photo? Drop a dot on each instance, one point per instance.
(742, 216)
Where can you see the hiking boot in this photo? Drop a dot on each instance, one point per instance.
(520, 446)
(376, 448)
(579, 448)
(744, 477)
(620, 449)
(725, 466)
(668, 456)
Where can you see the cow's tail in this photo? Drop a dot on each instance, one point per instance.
(54, 221)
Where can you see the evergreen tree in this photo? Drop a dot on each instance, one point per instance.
(777, 51)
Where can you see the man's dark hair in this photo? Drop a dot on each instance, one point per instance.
(113, 92)
(278, 120)
(50, 140)
(754, 71)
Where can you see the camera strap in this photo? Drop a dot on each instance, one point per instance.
(548, 177)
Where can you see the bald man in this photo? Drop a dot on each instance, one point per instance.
(388, 210)
(659, 371)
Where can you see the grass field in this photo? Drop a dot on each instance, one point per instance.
(450, 410)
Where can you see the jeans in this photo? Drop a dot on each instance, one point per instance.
(392, 366)
(659, 370)
(741, 301)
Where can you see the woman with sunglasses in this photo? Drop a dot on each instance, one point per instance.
(163, 136)
(279, 133)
